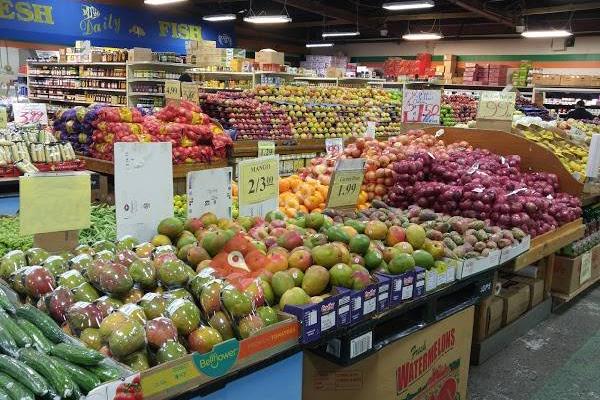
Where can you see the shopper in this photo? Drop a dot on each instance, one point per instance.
(185, 77)
(580, 112)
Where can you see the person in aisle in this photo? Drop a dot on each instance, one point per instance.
(580, 112)
(185, 78)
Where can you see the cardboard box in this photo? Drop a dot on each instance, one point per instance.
(516, 300)
(536, 289)
(493, 313)
(398, 371)
(269, 56)
(596, 261)
(571, 273)
(55, 242)
(138, 54)
(333, 72)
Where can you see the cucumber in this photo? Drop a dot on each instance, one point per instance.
(7, 343)
(105, 373)
(77, 354)
(4, 394)
(27, 376)
(15, 390)
(56, 376)
(5, 303)
(85, 379)
(21, 337)
(40, 342)
(45, 323)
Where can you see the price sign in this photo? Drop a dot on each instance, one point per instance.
(173, 89)
(3, 118)
(66, 194)
(586, 267)
(258, 185)
(209, 191)
(334, 146)
(189, 91)
(346, 183)
(421, 106)
(593, 164)
(370, 132)
(30, 113)
(266, 148)
(496, 105)
(143, 187)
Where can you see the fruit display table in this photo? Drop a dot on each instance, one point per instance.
(106, 169)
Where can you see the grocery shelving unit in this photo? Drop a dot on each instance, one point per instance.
(563, 99)
(222, 80)
(77, 83)
(344, 81)
(146, 81)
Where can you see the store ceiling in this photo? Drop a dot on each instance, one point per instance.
(455, 18)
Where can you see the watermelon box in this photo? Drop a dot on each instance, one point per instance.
(317, 319)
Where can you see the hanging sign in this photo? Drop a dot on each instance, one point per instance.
(496, 105)
(30, 113)
(3, 118)
(421, 106)
(189, 92)
(258, 185)
(66, 194)
(143, 187)
(173, 89)
(334, 146)
(346, 183)
(266, 148)
(209, 191)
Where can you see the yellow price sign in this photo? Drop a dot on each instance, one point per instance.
(346, 183)
(3, 118)
(67, 195)
(189, 91)
(172, 89)
(266, 148)
(496, 105)
(164, 379)
(258, 180)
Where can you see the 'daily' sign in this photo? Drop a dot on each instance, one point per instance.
(421, 106)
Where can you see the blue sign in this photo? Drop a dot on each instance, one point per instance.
(65, 21)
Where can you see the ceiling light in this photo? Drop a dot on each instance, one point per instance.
(408, 5)
(422, 36)
(219, 17)
(161, 2)
(552, 33)
(319, 44)
(268, 19)
(340, 34)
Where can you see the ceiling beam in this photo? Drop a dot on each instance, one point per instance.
(467, 5)
(593, 5)
(316, 7)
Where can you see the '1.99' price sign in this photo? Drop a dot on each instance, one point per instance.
(421, 106)
(258, 185)
(30, 113)
(346, 183)
(496, 105)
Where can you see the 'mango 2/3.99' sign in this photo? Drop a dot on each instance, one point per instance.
(63, 22)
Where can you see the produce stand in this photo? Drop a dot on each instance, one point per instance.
(106, 170)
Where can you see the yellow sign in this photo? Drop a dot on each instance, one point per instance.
(54, 202)
(266, 148)
(189, 91)
(3, 118)
(258, 180)
(346, 183)
(496, 105)
(173, 89)
(160, 380)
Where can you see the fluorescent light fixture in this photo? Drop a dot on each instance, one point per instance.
(408, 5)
(340, 34)
(161, 2)
(551, 33)
(422, 36)
(319, 44)
(219, 17)
(268, 19)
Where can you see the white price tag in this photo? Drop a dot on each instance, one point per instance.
(421, 106)
(209, 191)
(143, 187)
(586, 267)
(334, 146)
(593, 163)
(30, 113)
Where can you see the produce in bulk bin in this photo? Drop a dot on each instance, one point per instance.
(458, 108)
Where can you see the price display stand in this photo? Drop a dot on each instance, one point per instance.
(346, 182)
(209, 191)
(495, 110)
(258, 186)
(421, 106)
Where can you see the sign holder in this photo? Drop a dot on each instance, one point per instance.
(346, 183)
(209, 191)
(258, 185)
(495, 110)
(421, 106)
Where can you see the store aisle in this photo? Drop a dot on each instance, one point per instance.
(560, 359)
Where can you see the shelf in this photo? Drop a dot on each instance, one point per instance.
(157, 64)
(567, 89)
(108, 78)
(221, 73)
(79, 88)
(118, 64)
(179, 170)
(133, 80)
(222, 89)
(570, 105)
(146, 94)
(87, 103)
(315, 78)
(274, 73)
(568, 297)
